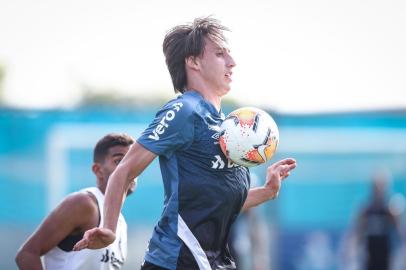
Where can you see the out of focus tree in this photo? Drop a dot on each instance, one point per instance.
(99, 96)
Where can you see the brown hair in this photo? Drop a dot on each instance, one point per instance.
(187, 40)
(108, 141)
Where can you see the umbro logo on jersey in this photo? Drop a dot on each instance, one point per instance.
(163, 124)
(216, 136)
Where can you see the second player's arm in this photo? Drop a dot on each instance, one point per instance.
(76, 212)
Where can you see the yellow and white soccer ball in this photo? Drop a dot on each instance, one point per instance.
(249, 136)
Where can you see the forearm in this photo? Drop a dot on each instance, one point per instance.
(135, 161)
(257, 196)
(28, 261)
(114, 198)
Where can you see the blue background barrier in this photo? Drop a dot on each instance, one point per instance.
(46, 154)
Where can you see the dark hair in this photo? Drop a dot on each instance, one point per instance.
(110, 140)
(187, 40)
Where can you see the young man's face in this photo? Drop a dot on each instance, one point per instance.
(114, 156)
(216, 66)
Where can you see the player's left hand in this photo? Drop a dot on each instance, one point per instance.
(276, 173)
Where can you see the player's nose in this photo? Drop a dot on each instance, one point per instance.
(230, 61)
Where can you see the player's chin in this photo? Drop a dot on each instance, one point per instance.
(224, 91)
(227, 87)
(228, 80)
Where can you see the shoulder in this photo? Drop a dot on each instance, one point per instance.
(172, 126)
(178, 111)
(81, 203)
(186, 103)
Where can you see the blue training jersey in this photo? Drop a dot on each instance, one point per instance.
(204, 192)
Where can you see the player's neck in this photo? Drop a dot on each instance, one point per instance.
(215, 100)
(207, 93)
(101, 187)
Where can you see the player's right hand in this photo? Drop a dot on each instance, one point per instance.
(95, 238)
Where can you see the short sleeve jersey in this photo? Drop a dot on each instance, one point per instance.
(204, 192)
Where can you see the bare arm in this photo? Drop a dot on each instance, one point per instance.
(275, 174)
(132, 165)
(76, 212)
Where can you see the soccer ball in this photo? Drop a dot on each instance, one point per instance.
(249, 136)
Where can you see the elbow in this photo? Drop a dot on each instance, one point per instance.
(24, 258)
(245, 207)
(19, 257)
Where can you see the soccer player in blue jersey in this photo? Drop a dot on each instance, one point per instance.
(204, 192)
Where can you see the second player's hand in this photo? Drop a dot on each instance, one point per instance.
(95, 238)
(276, 173)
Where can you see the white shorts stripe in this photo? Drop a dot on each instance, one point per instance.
(191, 242)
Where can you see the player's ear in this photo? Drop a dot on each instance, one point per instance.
(96, 168)
(192, 62)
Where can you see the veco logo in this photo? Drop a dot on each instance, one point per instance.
(163, 124)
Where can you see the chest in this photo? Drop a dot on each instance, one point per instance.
(206, 147)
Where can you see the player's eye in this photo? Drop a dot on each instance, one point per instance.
(117, 161)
